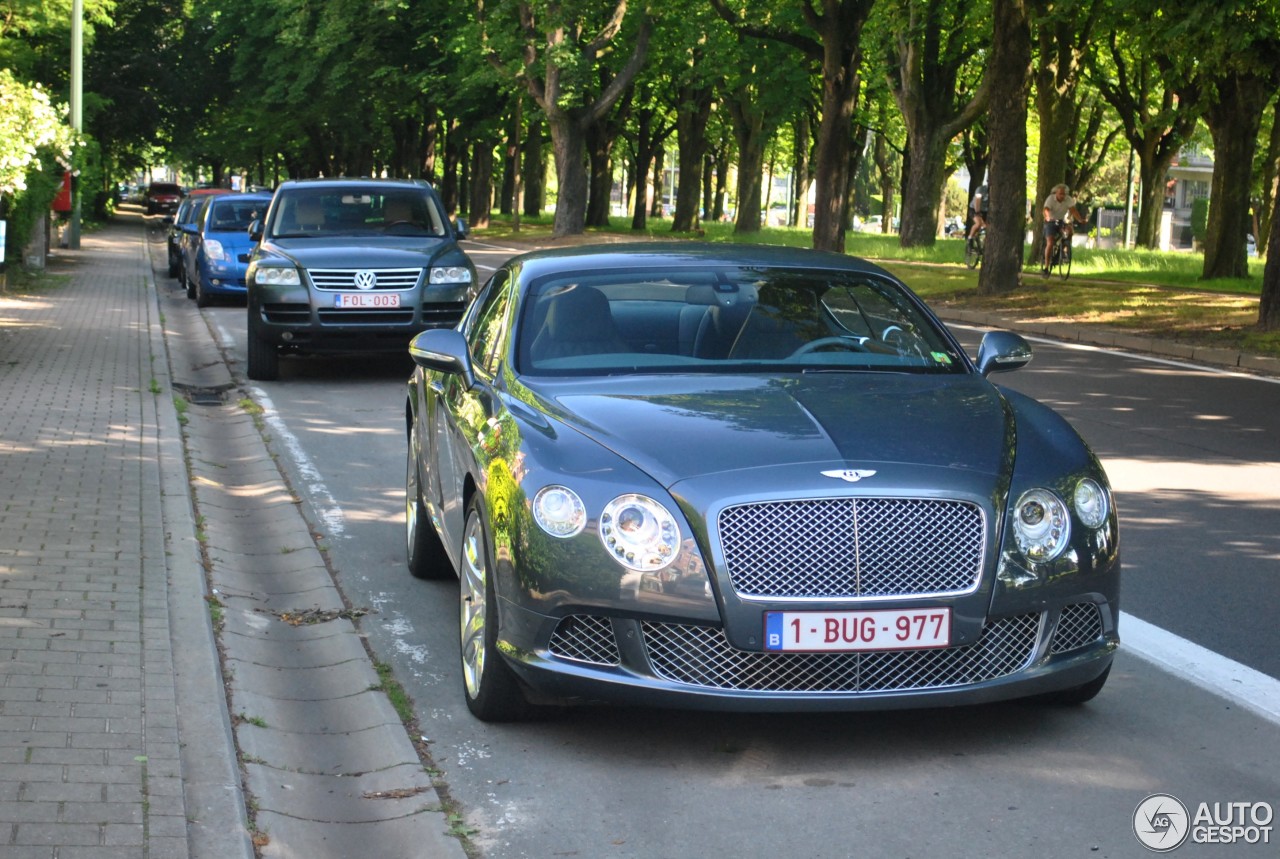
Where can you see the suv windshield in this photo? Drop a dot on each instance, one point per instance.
(312, 213)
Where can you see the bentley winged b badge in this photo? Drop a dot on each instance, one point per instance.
(851, 475)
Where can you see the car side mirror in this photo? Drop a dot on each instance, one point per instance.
(255, 231)
(460, 228)
(1002, 351)
(443, 350)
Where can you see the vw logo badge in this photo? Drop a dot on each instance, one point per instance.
(366, 280)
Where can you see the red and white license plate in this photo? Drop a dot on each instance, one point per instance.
(888, 629)
(366, 300)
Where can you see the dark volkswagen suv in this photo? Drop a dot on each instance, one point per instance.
(352, 265)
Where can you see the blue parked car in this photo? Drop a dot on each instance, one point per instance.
(216, 246)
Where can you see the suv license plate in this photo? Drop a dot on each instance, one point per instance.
(366, 300)
(848, 631)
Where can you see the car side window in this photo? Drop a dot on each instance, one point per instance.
(484, 331)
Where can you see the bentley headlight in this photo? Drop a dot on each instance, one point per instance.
(1091, 503)
(1042, 525)
(559, 511)
(276, 276)
(639, 532)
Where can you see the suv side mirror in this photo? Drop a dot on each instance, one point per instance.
(255, 230)
(460, 227)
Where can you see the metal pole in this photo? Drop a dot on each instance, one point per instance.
(1128, 204)
(515, 162)
(77, 103)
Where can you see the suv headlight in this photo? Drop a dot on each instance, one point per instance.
(276, 276)
(449, 274)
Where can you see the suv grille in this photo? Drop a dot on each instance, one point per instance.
(345, 278)
(853, 547)
(702, 656)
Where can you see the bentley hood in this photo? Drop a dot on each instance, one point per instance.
(686, 427)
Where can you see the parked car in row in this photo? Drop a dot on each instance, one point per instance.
(352, 265)
(185, 213)
(162, 197)
(756, 479)
(216, 245)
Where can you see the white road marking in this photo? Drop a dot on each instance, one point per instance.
(1239, 683)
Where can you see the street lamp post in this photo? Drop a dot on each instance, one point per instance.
(77, 101)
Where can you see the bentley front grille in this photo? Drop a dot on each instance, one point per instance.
(585, 638)
(853, 547)
(702, 656)
(1080, 625)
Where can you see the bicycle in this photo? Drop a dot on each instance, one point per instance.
(1060, 258)
(973, 248)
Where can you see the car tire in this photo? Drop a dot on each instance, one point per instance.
(426, 555)
(264, 358)
(174, 268)
(492, 690)
(1076, 695)
(203, 299)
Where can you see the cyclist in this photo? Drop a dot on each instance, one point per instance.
(979, 208)
(1058, 206)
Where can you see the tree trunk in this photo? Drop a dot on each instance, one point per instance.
(510, 152)
(1151, 173)
(749, 131)
(1233, 119)
(1270, 185)
(659, 183)
(644, 159)
(598, 143)
(691, 140)
(831, 160)
(1057, 82)
(571, 200)
(922, 189)
(1269, 306)
(533, 171)
(481, 186)
(1010, 67)
(449, 187)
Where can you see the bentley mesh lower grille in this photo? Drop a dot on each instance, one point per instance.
(853, 547)
(1081, 624)
(702, 656)
(585, 638)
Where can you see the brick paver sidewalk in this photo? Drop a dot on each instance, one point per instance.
(90, 753)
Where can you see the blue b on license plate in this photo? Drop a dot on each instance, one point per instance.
(849, 631)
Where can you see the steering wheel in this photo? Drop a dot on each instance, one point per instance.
(824, 342)
(394, 224)
(905, 342)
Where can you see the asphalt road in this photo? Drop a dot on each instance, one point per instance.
(1194, 458)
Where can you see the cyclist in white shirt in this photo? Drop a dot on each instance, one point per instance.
(1057, 207)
